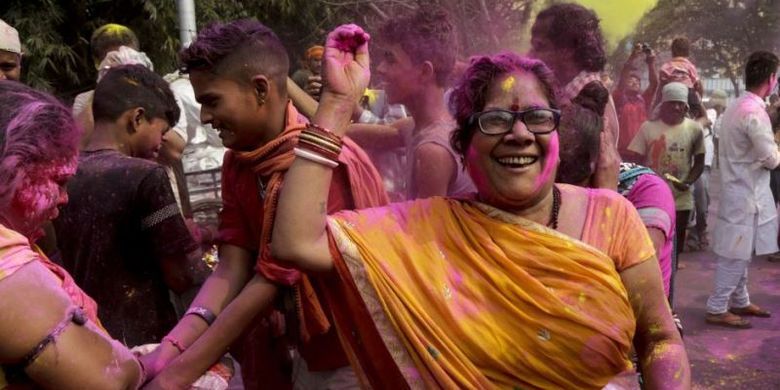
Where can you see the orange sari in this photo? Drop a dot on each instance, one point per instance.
(444, 293)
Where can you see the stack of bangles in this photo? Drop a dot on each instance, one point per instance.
(319, 145)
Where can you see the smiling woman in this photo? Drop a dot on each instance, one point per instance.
(552, 273)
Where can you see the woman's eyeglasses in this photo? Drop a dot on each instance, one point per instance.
(498, 122)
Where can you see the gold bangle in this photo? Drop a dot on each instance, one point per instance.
(309, 138)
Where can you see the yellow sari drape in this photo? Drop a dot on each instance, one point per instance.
(465, 296)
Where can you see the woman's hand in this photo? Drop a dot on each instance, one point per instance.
(345, 76)
(345, 65)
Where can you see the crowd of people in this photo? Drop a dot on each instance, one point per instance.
(415, 221)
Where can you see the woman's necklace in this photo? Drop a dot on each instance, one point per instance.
(556, 208)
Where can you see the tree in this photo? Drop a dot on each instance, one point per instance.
(723, 33)
(55, 33)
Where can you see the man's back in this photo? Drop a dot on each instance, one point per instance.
(121, 220)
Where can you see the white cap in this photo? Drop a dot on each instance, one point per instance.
(9, 38)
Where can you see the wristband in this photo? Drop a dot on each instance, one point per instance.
(203, 313)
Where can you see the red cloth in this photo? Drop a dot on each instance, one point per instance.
(631, 114)
(245, 223)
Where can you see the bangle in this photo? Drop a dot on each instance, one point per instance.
(316, 158)
(322, 132)
(319, 150)
(205, 314)
(175, 343)
(310, 138)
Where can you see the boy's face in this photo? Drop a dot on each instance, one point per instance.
(10, 65)
(399, 76)
(145, 142)
(231, 108)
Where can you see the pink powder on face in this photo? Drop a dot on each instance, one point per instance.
(550, 162)
(37, 198)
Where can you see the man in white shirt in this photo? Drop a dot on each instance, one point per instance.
(747, 217)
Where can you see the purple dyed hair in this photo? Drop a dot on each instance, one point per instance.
(239, 50)
(470, 93)
(34, 128)
(427, 34)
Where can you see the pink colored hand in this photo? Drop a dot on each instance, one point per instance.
(346, 71)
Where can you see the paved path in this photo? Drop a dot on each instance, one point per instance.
(723, 358)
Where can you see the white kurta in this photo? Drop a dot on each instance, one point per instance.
(747, 217)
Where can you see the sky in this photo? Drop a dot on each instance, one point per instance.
(618, 17)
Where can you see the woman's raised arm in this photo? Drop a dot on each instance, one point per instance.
(300, 235)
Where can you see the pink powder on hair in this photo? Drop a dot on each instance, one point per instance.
(550, 161)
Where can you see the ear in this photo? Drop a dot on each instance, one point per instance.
(428, 71)
(135, 119)
(262, 87)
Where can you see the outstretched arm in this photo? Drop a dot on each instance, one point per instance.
(300, 235)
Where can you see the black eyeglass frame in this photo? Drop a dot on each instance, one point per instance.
(474, 119)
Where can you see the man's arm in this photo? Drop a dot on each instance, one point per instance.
(434, 169)
(376, 136)
(652, 75)
(696, 170)
(760, 134)
(306, 104)
(220, 290)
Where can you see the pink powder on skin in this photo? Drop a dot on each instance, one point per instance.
(38, 196)
(348, 38)
(550, 162)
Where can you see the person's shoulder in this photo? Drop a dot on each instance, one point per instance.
(693, 124)
(606, 198)
(653, 190)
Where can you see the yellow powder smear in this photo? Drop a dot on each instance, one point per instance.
(114, 29)
(508, 83)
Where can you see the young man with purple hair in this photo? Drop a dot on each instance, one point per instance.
(239, 74)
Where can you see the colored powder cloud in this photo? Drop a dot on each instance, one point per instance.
(618, 17)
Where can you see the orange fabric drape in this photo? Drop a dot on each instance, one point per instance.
(270, 162)
(466, 298)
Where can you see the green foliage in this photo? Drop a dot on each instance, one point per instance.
(56, 33)
(722, 32)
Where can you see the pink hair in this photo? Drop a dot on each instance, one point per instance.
(35, 128)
